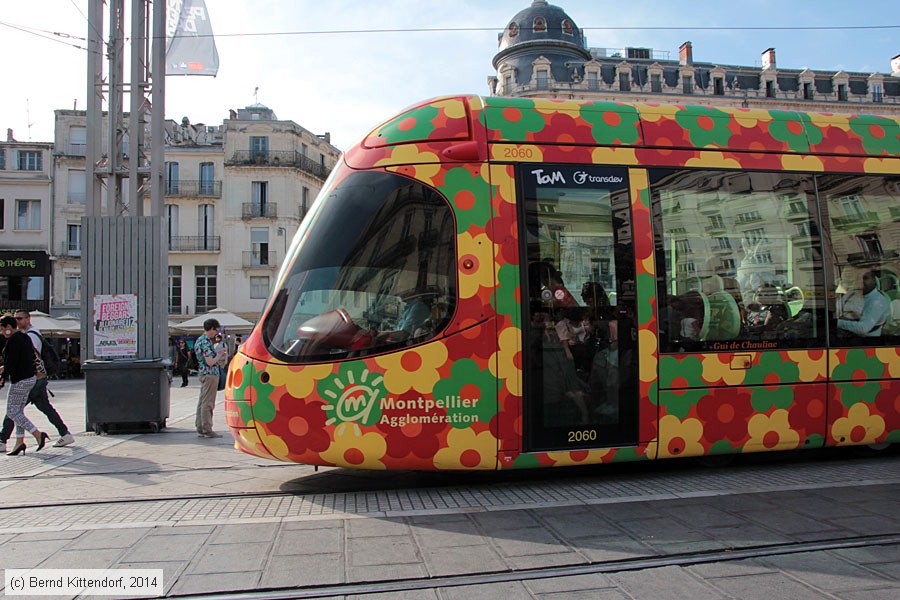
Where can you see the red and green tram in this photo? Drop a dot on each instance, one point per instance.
(494, 283)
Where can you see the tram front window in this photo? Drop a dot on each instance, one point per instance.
(375, 270)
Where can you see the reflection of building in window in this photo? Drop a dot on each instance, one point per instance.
(756, 235)
(749, 217)
(724, 243)
(852, 206)
(870, 245)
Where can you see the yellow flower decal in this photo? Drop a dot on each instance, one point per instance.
(467, 450)
(714, 160)
(453, 107)
(504, 366)
(415, 368)
(274, 444)
(352, 448)
(879, 165)
(405, 154)
(813, 366)
(647, 343)
(554, 106)
(500, 176)
(891, 359)
(477, 249)
(836, 120)
(859, 426)
(655, 112)
(714, 370)
(792, 162)
(679, 438)
(299, 382)
(750, 119)
(587, 457)
(771, 432)
(614, 156)
(249, 441)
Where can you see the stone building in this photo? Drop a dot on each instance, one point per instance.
(543, 54)
(26, 210)
(235, 194)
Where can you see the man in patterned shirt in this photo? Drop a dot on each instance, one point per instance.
(207, 357)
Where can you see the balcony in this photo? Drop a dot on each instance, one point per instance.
(258, 210)
(288, 158)
(260, 260)
(195, 243)
(193, 188)
(863, 220)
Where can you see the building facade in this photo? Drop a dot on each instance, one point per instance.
(26, 210)
(235, 194)
(543, 54)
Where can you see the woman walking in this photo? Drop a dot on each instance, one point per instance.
(20, 365)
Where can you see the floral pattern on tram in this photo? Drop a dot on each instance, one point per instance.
(323, 414)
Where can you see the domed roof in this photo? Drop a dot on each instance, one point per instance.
(541, 21)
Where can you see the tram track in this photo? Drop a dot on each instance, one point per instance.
(684, 559)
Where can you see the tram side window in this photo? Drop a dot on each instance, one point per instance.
(863, 217)
(376, 269)
(741, 260)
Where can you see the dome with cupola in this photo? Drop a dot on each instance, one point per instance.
(541, 22)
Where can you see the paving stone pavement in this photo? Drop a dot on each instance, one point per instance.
(215, 520)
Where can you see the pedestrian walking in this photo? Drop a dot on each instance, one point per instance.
(20, 367)
(182, 358)
(38, 394)
(207, 359)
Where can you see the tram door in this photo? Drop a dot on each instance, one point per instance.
(579, 327)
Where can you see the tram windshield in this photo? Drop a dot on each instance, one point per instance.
(375, 269)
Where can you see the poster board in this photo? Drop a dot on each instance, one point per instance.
(115, 325)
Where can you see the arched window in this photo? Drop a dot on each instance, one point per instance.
(540, 24)
(567, 27)
(513, 29)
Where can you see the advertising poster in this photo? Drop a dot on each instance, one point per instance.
(115, 325)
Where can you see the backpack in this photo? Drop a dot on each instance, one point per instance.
(48, 355)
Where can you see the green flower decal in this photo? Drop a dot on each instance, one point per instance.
(706, 126)
(724, 447)
(879, 135)
(505, 296)
(795, 129)
(354, 395)
(466, 374)
(628, 455)
(678, 403)
(526, 461)
(262, 409)
(515, 119)
(863, 372)
(460, 180)
(772, 370)
(612, 123)
(687, 372)
(646, 285)
(413, 125)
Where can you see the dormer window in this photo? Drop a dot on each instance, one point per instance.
(567, 27)
(540, 24)
(513, 29)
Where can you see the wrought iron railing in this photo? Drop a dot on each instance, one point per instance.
(195, 243)
(263, 260)
(258, 210)
(281, 158)
(194, 188)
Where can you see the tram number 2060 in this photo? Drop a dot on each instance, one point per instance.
(584, 435)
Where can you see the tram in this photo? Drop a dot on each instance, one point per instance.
(494, 283)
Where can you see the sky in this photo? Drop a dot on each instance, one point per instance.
(346, 83)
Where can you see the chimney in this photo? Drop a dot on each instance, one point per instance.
(686, 54)
(895, 66)
(768, 59)
(232, 114)
(9, 135)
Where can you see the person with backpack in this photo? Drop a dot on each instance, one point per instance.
(38, 394)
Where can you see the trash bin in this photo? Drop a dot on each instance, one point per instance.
(126, 394)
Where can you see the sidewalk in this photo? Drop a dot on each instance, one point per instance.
(177, 502)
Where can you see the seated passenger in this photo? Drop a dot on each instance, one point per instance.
(875, 312)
